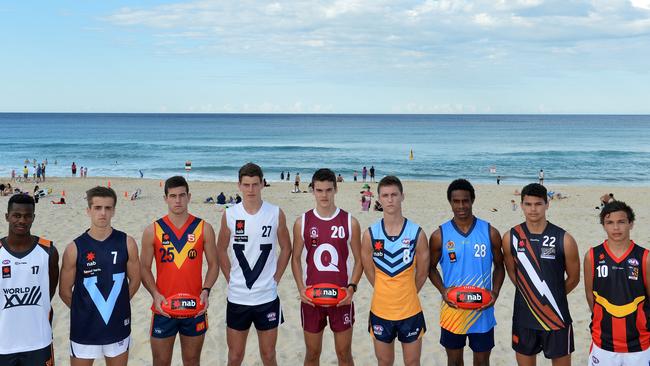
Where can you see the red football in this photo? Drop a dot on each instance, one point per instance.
(182, 305)
(469, 297)
(325, 294)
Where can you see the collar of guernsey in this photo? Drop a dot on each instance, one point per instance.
(466, 259)
(395, 295)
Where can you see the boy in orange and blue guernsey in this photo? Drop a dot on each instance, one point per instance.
(395, 258)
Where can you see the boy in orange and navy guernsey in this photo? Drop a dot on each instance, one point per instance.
(616, 285)
(178, 242)
(538, 254)
(395, 258)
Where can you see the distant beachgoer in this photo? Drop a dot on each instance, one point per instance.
(288, 176)
(296, 183)
(282, 175)
(86, 172)
(237, 198)
(354, 175)
(378, 206)
(221, 199)
(498, 179)
(606, 198)
(81, 172)
(266, 184)
(13, 175)
(364, 173)
(61, 201)
(365, 203)
(56, 161)
(74, 169)
(141, 173)
(339, 179)
(26, 173)
(541, 176)
(231, 200)
(43, 165)
(514, 205)
(372, 173)
(38, 173)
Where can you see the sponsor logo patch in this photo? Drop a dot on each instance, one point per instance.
(192, 254)
(378, 329)
(6, 271)
(452, 257)
(633, 262)
(633, 273)
(548, 253)
(240, 227)
(22, 296)
(272, 316)
(450, 245)
(6, 261)
(378, 248)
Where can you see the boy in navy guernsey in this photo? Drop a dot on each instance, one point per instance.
(616, 285)
(99, 275)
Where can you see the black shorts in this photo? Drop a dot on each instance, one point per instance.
(265, 316)
(163, 327)
(478, 342)
(43, 356)
(406, 330)
(554, 343)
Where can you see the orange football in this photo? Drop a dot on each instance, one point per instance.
(469, 297)
(182, 305)
(325, 294)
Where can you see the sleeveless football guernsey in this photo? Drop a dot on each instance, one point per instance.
(326, 257)
(619, 322)
(25, 302)
(395, 296)
(540, 299)
(252, 252)
(179, 256)
(100, 312)
(466, 260)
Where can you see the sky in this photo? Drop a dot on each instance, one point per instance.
(340, 56)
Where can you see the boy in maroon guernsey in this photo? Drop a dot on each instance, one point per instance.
(326, 249)
(616, 285)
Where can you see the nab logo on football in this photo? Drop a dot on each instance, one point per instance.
(183, 304)
(240, 226)
(470, 297)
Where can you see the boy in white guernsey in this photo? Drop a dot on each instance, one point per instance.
(30, 273)
(247, 245)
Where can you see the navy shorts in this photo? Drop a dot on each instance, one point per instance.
(478, 342)
(554, 343)
(265, 316)
(406, 330)
(43, 356)
(163, 327)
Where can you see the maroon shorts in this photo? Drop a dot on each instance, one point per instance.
(314, 318)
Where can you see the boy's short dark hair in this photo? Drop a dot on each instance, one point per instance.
(535, 190)
(615, 206)
(390, 180)
(324, 175)
(100, 191)
(21, 199)
(461, 185)
(251, 170)
(174, 182)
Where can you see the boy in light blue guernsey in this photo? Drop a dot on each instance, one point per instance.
(467, 248)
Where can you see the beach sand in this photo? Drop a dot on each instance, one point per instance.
(425, 204)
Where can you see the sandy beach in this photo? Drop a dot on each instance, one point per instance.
(425, 204)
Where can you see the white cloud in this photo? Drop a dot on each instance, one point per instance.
(641, 4)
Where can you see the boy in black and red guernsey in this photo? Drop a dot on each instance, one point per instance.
(616, 285)
(326, 249)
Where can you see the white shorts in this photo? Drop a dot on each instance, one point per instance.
(601, 357)
(94, 351)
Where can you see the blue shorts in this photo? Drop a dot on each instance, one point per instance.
(478, 342)
(43, 356)
(406, 330)
(163, 327)
(265, 316)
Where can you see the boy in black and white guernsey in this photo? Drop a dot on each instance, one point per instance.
(30, 272)
(249, 236)
(99, 275)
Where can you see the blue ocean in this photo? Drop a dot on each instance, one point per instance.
(571, 149)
